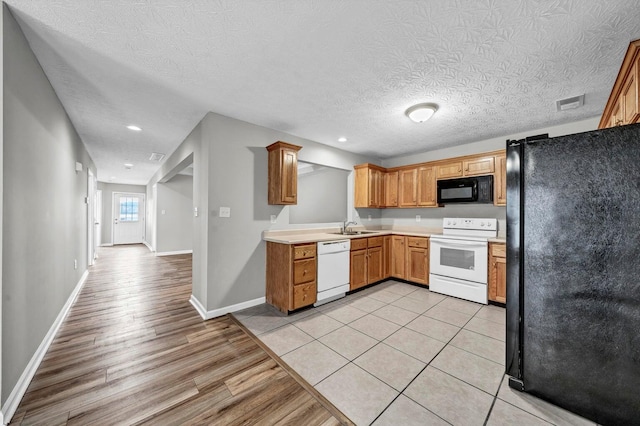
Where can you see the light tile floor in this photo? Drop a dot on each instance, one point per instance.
(398, 354)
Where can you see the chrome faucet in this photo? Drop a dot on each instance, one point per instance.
(345, 224)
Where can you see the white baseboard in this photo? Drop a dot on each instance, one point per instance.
(222, 311)
(11, 405)
(148, 246)
(106, 245)
(173, 253)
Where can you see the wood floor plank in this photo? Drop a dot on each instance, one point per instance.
(133, 350)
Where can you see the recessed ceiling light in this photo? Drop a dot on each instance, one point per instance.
(421, 112)
(134, 128)
(113, 178)
(128, 165)
(342, 139)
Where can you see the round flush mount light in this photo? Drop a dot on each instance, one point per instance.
(134, 128)
(342, 139)
(421, 112)
(128, 166)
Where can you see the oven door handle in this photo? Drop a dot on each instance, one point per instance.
(447, 243)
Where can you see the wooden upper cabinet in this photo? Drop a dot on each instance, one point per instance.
(500, 181)
(283, 173)
(408, 187)
(369, 186)
(449, 170)
(623, 106)
(427, 194)
(390, 189)
(478, 166)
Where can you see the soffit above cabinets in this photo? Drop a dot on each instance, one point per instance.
(322, 70)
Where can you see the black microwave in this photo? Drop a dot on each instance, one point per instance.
(477, 189)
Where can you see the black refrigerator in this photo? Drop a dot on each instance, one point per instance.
(573, 272)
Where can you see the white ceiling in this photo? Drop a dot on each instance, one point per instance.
(322, 69)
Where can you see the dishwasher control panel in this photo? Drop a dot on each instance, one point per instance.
(333, 246)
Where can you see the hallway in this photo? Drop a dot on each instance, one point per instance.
(133, 350)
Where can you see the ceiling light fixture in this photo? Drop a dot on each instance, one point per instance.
(342, 139)
(134, 128)
(128, 165)
(421, 112)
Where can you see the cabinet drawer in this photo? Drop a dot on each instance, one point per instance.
(498, 250)
(418, 242)
(304, 295)
(305, 251)
(304, 271)
(375, 241)
(358, 244)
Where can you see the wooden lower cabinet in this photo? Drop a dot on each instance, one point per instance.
(417, 259)
(291, 275)
(367, 262)
(498, 272)
(398, 256)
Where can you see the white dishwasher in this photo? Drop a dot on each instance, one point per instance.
(333, 270)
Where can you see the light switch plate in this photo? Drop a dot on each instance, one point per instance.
(225, 212)
(274, 218)
(418, 218)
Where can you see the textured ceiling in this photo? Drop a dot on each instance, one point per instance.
(322, 69)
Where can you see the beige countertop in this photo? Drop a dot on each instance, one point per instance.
(300, 236)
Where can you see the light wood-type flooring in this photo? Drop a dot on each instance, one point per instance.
(134, 351)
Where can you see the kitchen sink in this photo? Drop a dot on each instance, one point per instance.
(355, 232)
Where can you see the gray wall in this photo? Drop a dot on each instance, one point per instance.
(174, 227)
(107, 205)
(45, 216)
(230, 170)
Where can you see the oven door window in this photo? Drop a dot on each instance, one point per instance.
(458, 258)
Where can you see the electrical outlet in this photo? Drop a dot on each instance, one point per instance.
(225, 212)
(163, 211)
(195, 212)
(369, 217)
(418, 218)
(274, 218)
(75, 263)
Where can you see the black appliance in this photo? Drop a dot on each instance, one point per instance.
(477, 189)
(573, 272)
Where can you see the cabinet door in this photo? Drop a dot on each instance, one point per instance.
(479, 166)
(391, 189)
(374, 188)
(630, 97)
(358, 275)
(427, 187)
(361, 188)
(289, 164)
(498, 279)
(374, 265)
(304, 295)
(408, 188)
(398, 256)
(386, 256)
(617, 118)
(449, 170)
(418, 265)
(500, 181)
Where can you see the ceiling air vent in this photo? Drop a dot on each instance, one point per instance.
(156, 156)
(570, 103)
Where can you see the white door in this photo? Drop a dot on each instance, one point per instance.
(91, 190)
(128, 218)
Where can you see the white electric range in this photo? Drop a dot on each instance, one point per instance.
(459, 257)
